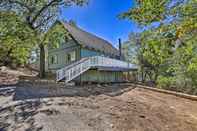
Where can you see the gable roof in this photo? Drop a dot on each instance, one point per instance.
(89, 40)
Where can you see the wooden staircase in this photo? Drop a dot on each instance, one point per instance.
(72, 71)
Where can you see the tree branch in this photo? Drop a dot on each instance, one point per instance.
(43, 9)
(45, 20)
(20, 3)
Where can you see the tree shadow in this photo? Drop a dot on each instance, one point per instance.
(28, 91)
(20, 113)
(27, 103)
(7, 90)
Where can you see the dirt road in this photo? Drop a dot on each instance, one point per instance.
(94, 108)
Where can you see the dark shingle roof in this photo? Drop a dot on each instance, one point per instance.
(89, 40)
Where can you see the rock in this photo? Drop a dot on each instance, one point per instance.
(3, 68)
(112, 125)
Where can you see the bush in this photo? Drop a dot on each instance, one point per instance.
(166, 82)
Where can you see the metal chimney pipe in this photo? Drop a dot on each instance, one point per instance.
(120, 48)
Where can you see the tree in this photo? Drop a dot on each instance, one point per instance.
(147, 11)
(130, 48)
(168, 42)
(16, 39)
(39, 15)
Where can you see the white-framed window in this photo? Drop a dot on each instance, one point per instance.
(71, 56)
(53, 59)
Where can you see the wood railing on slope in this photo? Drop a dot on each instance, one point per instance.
(72, 71)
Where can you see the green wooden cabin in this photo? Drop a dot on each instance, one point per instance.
(80, 44)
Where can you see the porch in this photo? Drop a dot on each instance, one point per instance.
(99, 63)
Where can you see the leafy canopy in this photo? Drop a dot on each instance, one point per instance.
(31, 20)
(168, 50)
(16, 38)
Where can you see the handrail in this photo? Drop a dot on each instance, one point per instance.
(77, 70)
(60, 74)
(109, 62)
(75, 63)
(72, 71)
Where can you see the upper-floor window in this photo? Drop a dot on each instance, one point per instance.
(71, 56)
(53, 59)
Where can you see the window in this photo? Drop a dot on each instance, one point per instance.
(66, 58)
(53, 59)
(71, 56)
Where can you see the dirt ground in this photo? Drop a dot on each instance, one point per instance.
(115, 107)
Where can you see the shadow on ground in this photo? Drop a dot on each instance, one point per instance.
(30, 91)
(20, 113)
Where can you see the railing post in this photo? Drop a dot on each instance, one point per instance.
(69, 74)
(77, 69)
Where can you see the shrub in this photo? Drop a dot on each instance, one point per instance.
(165, 82)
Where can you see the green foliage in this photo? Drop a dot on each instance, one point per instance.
(16, 39)
(35, 17)
(185, 64)
(130, 49)
(168, 51)
(147, 11)
(55, 35)
(164, 82)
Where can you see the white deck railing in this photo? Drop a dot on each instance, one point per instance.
(72, 71)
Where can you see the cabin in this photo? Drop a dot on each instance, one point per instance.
(84, 57)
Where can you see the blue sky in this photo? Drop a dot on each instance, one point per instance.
(100, 17)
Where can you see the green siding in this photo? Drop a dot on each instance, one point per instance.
(100, 76)
(87, 53)
(61, 54)
(92, 75)
(90, 52)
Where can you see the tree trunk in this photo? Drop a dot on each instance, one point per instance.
(7, 60)
(156, 76)
(142, 75)
(42, 61)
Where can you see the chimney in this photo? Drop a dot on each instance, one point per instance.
(120, 48)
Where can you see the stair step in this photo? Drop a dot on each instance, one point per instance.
(75, 69)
